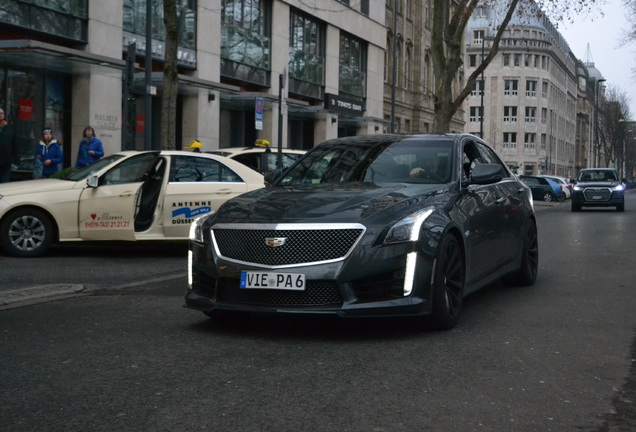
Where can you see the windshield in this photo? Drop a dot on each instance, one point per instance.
(597, 175)
(92, 169)
(404, 161)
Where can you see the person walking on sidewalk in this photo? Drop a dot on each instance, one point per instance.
(49, 152)
(9, 153)
(90, 149)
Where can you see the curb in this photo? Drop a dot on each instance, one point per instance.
(38, 294)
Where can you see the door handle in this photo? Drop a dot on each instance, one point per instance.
(125, 194)
(224, 192)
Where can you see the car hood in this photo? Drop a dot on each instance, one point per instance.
(31, 186)
(597, 184)
(324, 202)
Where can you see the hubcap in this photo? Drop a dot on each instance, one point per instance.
(27, 233)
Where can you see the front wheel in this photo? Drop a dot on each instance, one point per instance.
(527, 273)
(448, 284)
(26, 233)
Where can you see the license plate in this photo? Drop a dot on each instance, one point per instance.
(270, 280)
(597, 197)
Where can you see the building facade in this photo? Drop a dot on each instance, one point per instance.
(408, 69)
(290, 72)
(526, 103)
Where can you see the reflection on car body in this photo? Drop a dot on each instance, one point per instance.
(348, 231)
(126, 196)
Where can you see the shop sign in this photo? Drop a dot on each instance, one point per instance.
(140, 123)
(26, 109)
(344, 105)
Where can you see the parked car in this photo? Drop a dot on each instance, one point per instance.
(261, 159)
(543, 189)
(565, 184)
(350, 231)
(598, 187)
(24, 170)
(125, 196)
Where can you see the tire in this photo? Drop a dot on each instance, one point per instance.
(576, 207)
(448, 284)
(527, 273)
(620, 207)
(26, 233)
(561, 198)
(548, 197)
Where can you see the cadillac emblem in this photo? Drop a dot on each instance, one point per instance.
(275, 241)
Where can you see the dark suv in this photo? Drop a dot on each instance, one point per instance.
(598, 187)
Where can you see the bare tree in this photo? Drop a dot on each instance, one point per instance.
(450, 19)
(613, 112)
(170, 77)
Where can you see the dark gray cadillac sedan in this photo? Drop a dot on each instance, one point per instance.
(369, 226)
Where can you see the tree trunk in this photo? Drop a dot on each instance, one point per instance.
(170, 77)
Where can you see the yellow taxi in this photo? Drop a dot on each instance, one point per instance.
(151, 195)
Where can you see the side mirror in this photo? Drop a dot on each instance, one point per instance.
(486, 174)
(92, 181)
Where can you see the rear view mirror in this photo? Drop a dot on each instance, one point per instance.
(92, 181)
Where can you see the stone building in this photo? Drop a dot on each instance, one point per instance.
(287, 71)
(526, 104)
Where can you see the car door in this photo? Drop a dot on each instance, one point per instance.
(196, 185)
(485, 216)
(107, 211)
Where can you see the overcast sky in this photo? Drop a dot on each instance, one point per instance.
(603, 34)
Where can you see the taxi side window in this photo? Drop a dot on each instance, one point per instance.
(132, 170)
(251, 160)
(198, 169)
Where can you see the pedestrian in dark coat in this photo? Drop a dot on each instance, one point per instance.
(9, 153)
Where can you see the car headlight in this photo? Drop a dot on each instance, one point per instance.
(408, 229)
(619, 187)
(577, 188)
(196, 232)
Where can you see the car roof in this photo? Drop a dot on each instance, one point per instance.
(235, 150)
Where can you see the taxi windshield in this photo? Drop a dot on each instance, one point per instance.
(88, 171)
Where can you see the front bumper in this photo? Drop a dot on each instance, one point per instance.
(372, 286)
(598, 197)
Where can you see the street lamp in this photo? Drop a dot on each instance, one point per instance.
(596, 147)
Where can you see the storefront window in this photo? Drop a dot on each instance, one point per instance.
(135, 20)
(352, 66)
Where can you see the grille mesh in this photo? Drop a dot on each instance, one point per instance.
(301, 246)
(591, 193)
(316, 293)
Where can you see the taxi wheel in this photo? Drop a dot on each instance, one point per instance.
(26, 233)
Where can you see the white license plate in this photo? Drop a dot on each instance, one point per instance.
(267, 280)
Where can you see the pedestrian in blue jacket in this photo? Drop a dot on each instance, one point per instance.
(49, 152)
(90, 149)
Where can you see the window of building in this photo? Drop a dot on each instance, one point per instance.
(544, 115)
(478, 37)
(527, 59)
(353, 58)
(511, 87)
(517, 58)
(480, 12)
(544, 89)
(306, 48)
(531, 114)
(476, 114)
(531, 88)
(472, 60)
(510, 140)
(134, 21)
(66, 19)
(529, 141)
(245, 40)
(544, 139)
(510, 114)
(408, 61)
(506, 59)
(478, 88)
